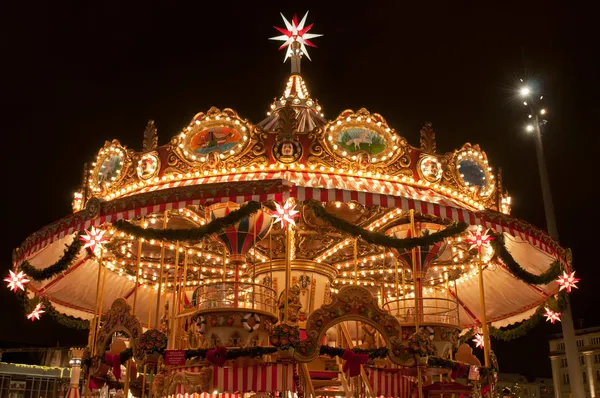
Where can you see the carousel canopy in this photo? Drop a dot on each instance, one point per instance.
(356, 165)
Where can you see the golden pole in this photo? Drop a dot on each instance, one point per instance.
(397, 286)
(457, 309)
(416, 284)
(171, 341)
(137, 280)
(288, 269)
(137, 274)
(403, 293)
(224, 264)
(101, 303)
(182, 284)
(150, 309)
(356, 260)
(160, 278)
(95, 321)
(484, 325)
(415, 277)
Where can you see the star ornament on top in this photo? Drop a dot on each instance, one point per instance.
(567, 281)
(95, 237)
(37, 311)
(552, 316)
(478, 340)
(16, 281)
(285, 214)
(479, 239)
(295, 32)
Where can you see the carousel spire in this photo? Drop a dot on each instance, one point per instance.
(296, 40)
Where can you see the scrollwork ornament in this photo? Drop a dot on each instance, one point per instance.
(93, 207)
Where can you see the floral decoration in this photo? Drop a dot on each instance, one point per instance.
(152, 341)
(419, 343)
(284, 335)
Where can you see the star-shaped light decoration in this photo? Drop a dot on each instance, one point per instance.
(95, 237)
(478, 340)
(479, 239)
(552, 316)
(285, 214)
(567, 281)
(37, 311)
(16, 281)
(295, 32)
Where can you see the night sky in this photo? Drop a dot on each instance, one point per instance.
(77, 74)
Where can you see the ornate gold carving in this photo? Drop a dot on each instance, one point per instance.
(427, 139)
(352, 303)
(452, 176)
(192, 382)
(119, 319)
(150, 137)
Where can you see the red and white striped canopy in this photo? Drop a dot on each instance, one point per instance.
(509, 300)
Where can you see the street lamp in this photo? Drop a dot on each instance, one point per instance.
(535, 111)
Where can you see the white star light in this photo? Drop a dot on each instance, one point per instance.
(285, 214)
(94, 238)
(16, 281)
(37, 311)
(295, 32)
(478, 340)
(552, 316)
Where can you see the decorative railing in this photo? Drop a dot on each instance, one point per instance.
(431, 310)
(251, 296)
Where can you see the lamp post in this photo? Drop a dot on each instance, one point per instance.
(575, 376)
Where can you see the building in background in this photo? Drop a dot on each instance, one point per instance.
(45, 373)
(588, 344)
(521, 387)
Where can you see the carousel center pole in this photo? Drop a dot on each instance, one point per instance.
(484, 325)
(172, 331)
(95, 322)
(135, 290)
(417, 294)
(160, 278)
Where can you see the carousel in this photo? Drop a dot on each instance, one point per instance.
(300, 256)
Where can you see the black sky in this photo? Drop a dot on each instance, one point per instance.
(75, 74)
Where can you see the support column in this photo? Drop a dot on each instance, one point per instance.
(75, 362)
(589, 367)
(556, 379)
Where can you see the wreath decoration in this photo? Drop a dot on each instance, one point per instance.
(428, 331)
(201, 324)
(247, 326)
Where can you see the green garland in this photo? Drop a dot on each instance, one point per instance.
(191, 234)
(29, 305)
(61, 265)
(382, 352)
(554, 303)
(380, 239)
(437, 362)
(251, 352)
(543, 279)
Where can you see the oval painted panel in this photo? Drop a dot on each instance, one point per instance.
(219, 139)
(109, 169)
(358, 139)
(472, 173)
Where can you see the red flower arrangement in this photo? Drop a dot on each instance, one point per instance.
(152, 341)
(284, 335)
(420, 344)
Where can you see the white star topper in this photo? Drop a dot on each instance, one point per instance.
(295, 32)
(285, 214)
